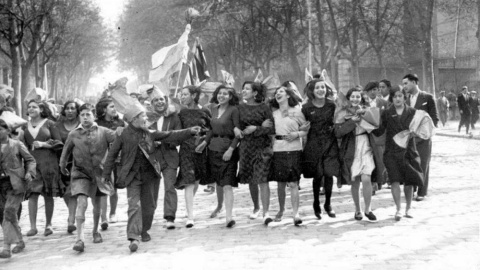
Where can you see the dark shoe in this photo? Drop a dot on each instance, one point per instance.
(5, 254)
(79, 246)
(97, 238)
(266, 220)
(32, 232)
(19, 247)
(133, 245)
(48, 231)
(420, 198)
(71, 228)
(329, 210)
(297, 221)
(104, 226)
(231, 223)
(146, 237)
(317, 211)
(189, 223)
(358, 216)
(170, 225)
(371, 216)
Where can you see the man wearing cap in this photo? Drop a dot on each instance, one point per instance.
(474, 107)
(442, 104)
(463, 101)
(421, 100)
(167, 154)
(140, 165)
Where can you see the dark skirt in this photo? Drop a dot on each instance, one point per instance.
(193, 167)
(286, 166)
(223, 172)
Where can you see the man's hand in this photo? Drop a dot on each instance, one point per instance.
(195, 130)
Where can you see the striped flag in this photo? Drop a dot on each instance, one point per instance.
(169, 60)
(200, 62)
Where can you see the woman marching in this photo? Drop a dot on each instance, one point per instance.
(396, 119)
(107, 116)
(43, 139)
(287, 149)
(16, 167)
(320, 157)
(193, 165)
(222, 144)
(256, 146)
(357, 156)
(68, 121)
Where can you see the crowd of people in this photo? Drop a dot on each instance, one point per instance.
(88, 151)
(466, 104)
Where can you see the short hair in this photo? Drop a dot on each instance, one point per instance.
(231, 91)
(4, 124)
(411, 77)
(260, 88)
(101, 108)
(87, 106)
(395, 89)
(192, 89)
(355, 89)
(310, 87)
(45, 109)
(387, 83)
(292, 101)
(370, 86)
(77, 107)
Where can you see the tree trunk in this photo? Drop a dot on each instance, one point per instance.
(321, 35)
(16, 79)
(26, 85)
(381, 64)
(429, 83)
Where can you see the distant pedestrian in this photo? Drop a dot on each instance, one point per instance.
(465, 110)
(452, 101)
(442, 106)
(474, 103)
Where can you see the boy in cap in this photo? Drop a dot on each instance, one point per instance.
(89, 144)
(140, 165)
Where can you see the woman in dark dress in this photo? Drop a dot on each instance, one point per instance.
(68, 121)
(256, 146)
(107, 116)
(320, 155)
(222, 144)
(193, 165)
(395, 119)
(43, 140)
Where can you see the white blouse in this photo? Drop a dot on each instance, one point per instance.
(286, 123)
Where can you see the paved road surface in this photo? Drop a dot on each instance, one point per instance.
(444, 233)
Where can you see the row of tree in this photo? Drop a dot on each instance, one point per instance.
(243, 36)
(65, 39)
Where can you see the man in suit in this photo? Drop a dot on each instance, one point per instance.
(452, 100)
(442, 103)
(463, 101)
(474, 103)
(421, 100)
(166, 119)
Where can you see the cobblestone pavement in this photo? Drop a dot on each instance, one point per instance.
(444, 233)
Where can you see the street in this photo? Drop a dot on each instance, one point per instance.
(444, 233)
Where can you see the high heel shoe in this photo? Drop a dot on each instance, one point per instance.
(297, 221)
(329, 210)
(317, 211)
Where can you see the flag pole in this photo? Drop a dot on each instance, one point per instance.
(178, 81)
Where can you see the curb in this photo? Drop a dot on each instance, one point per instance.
(457, 136)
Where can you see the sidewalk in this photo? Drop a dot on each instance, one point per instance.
(451, 130)
(444, 233)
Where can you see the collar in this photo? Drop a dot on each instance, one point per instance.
(415, 95)
(95, 125)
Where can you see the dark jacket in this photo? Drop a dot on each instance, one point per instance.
(167, 152)
(346, 131)
(464, 104)
(17, 161)
(426, 103)
(128, 143)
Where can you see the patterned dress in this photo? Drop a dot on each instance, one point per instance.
(193, 166)
(48, 181)
(255, 149)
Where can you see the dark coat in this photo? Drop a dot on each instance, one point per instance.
(464, 104)
(346, 131)
(320, 155)
(167, 152)
(426, 103)
(17, 161)
(128, 143)
(402, 164)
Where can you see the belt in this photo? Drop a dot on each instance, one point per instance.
(364, 133)
(280, 137)
(224, 136)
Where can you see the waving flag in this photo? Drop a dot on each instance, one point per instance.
(169, 60)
